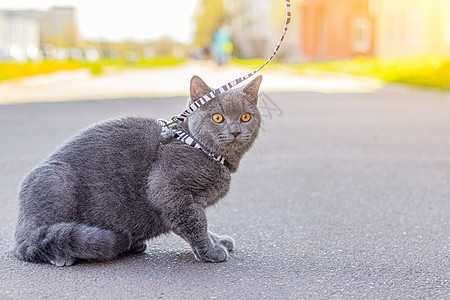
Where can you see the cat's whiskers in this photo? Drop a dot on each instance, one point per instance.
(256, 153)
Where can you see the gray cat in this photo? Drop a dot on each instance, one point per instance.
(121, 182)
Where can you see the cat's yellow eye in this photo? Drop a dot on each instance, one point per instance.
(218, 118)
(246, 117)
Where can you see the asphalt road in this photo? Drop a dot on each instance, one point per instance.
(344, 196)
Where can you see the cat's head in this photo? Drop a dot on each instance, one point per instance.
(228, 124)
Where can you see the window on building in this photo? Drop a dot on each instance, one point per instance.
(362, 35)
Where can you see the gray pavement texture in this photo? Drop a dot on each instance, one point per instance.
(343, 196)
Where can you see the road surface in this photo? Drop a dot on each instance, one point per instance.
(345, 195)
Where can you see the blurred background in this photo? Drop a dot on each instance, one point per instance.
(405, 41)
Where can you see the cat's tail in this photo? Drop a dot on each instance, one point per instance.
(62, 243)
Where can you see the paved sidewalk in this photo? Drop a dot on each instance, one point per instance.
(168, 81)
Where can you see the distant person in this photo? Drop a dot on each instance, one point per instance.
(222, 46)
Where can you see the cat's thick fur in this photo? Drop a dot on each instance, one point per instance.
(119, 183)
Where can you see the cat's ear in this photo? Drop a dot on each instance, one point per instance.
(252, 88)
(198, 88)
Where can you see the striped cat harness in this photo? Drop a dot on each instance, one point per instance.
(187, 139)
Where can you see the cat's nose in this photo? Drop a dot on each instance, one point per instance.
(235, 134)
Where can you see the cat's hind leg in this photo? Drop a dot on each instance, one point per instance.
(48, 229)
(137, 247)
(62, 243)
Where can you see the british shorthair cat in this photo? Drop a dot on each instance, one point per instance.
(121, 182)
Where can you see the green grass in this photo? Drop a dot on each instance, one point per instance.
(18, 70)
(424, 71)
(432, 72)
(252, 63)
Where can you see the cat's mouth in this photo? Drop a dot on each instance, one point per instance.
(228, 140)
(228, 144)
(233, 141)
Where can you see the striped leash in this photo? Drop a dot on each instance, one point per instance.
(211, 95)
(184, 137)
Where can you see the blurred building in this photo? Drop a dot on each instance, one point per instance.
(250, 35)
(19, 34)
(24, 33)
(60, 27)
(336, 29)
(408, 27)
(347, 28)
(256, 26)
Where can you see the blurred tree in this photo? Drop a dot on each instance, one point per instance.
(209, 16)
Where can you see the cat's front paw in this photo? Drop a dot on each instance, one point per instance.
(227, 242)
(217, 253)
(223, 240)
(63, 262)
